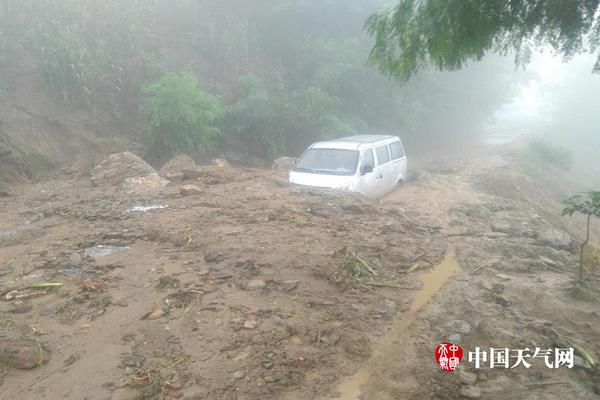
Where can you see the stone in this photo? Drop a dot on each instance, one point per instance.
(250, 324)
(460, 326)
(237, 375)
(23, 354)
(190, 190)
(255, 284)
(467, 378)
(220, 163)
(385, 307)
(144, 186)
(156, 314)
(75, 258)
(118, 167)
(554, 238)
(173, 170)
(284, 164)
(470, 392)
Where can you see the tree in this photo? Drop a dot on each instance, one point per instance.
(449, 33)
(181, 115)
(587, 204)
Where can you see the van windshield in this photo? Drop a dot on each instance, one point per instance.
(328, 161)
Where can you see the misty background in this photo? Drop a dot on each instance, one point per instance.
(82, 79)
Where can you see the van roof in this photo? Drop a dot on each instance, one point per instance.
(352, 142)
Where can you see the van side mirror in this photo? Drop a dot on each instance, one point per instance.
(366, 169)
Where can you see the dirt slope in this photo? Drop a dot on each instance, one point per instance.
(249, 290)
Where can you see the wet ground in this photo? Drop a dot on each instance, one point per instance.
(251, 289)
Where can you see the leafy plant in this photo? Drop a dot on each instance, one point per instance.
(447, 34)
(587, 204)
(181, 115)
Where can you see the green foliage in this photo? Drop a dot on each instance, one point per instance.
(587, 204)
(545, 154)
(181, 115)
(449, 33)
(275, 120)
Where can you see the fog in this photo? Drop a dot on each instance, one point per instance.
(299, 199)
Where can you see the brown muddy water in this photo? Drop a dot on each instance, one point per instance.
(350, 388)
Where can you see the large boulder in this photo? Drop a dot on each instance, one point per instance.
(554, 238)
(173, 170)
(116, 168)
(144, 186)
(284, 163)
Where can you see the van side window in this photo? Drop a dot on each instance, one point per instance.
(397, 150)
(368, 159)
(382, 155)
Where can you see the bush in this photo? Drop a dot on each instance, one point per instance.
(181, 115)
(543, 153)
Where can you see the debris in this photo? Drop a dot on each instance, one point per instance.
(250, 324)
(116, 168)
(173, 170)
(554, 238)
(255, 284)
(103, 250)
(385, 307)
(156, 314)
(586, 355)
(467, 378)
(23, 354)
(356, 270)
(470, 392)
(190, 190)
(144, 186)
(237, 375)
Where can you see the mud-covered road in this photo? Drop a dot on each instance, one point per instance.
(245, 288)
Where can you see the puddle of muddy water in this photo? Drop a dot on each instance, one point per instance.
(103, 250)
(144, 209)
(350, 388)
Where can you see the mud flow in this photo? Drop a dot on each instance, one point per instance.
(228, 283)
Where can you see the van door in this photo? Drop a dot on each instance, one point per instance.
(398, 160)
(367, 183)
(385, 169)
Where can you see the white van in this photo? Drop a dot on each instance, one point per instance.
(368, 164)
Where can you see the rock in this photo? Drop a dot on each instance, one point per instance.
(221, 163)
(19, 235)
(116, 168)
(20, 308)
(470, 392)
(250, 324)
(460, 326)
(554, 238)
(156, 314)
(284, 164)
(190, 190)
(23, 354)
(75, 258)
(145, 186)
(385, 307)
(173, 170)
(467, 378)
(255, 284)
(237, 375)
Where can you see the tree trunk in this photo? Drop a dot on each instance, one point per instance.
(587, 239)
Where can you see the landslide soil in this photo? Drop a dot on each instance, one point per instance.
(237, 292)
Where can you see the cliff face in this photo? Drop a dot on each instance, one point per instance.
(40, 133)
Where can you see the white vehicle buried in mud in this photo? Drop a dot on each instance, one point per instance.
(368, 164)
